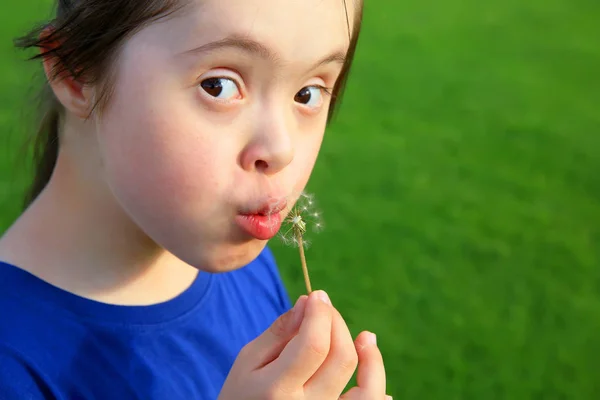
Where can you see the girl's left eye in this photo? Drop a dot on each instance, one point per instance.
(221, 88)
(311, 96)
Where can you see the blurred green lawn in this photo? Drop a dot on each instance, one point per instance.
(460, 189)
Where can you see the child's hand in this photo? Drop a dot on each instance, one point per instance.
(308, 353)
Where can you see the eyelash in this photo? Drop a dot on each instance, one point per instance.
(324, 89)
(327, 90)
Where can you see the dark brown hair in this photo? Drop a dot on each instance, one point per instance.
(83, 40)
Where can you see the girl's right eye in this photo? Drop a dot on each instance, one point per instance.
(221, 88)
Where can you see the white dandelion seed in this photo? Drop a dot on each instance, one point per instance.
(301, 219)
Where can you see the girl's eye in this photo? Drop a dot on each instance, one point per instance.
(221, 88)
(311, 96)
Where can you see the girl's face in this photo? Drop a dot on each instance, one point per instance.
(217, 116)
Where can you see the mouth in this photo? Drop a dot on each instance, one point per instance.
(266, 209)
(262, 222)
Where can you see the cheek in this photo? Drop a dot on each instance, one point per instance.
(154, 153)
(307, 152)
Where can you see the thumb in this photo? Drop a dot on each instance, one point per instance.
(269, 345)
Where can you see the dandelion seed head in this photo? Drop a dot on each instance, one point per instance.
(302, 219)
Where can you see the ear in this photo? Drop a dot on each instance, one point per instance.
(75, 96)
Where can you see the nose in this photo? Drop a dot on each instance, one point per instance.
(270, 148)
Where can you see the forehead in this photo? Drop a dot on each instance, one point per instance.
(294, 29)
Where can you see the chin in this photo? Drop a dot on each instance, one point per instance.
(227, 257)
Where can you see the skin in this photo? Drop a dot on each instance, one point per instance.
(145, 193)
(294, 360)
(162, 172)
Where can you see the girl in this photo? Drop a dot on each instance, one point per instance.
(177, 135)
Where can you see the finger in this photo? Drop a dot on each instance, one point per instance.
(305, 353)
(357, 393)
(269, 345)
(371, 371)
(332, 377)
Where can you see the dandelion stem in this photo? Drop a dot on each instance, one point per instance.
(303, 261)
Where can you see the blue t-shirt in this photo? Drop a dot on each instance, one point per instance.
(57, 345)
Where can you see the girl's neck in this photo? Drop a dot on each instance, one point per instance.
(75, 236)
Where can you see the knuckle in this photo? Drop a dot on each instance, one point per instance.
(278, 391)
(272, 394)
(348, 359)
(318, 345)
(278, 328)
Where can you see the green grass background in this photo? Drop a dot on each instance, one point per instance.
(460, 187)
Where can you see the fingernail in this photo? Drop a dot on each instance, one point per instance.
(371, 339)
(387, 397)
(295, 308)
(323, 297)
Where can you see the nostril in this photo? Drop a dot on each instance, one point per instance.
(261, 165)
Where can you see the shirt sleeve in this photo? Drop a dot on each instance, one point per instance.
(18, 381)
(282, 294)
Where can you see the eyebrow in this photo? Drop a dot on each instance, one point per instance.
(255, 47)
